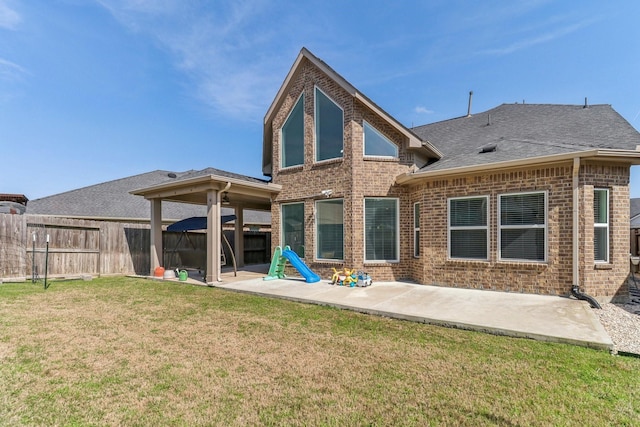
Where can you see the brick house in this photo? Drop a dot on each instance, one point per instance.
(520, 198)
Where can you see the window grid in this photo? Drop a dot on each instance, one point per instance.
(468, 224)
(292, 136)
(329, 127)
(522, 224)
(416, 229)
(382, 225)
(601, 225)
(292, 226)
(330, 230)
(376, 144)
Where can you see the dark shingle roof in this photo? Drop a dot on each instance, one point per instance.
(634, 209)
(112, 199)
(522, 131)
(220, 172)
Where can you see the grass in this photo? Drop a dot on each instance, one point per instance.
(119, 351)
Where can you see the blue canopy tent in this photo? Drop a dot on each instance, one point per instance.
(197, 223)
(200, 223)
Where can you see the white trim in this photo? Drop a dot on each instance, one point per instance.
(397, 203)
(575, 239)
(364, 143)
(628, 156)
(603, 225)
(416, 229)
(521, 227)
(315, 126)
(475, 227)
(182, 186)
(295, 104)
(316, 233)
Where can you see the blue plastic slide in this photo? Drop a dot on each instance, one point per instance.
(299, 265)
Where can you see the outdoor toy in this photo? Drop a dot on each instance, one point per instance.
(363, 279)
(350, 278)
(279, 261)
(336, 277)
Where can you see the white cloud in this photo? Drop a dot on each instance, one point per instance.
(422, 110)
(224, 50)
(10, 71)
(9, 18)
(537, 39)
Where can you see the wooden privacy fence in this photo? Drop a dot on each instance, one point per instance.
(84, 247)
(76, 246)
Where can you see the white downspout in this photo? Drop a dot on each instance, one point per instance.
(219, 227)
(576, 219)
(575, 288)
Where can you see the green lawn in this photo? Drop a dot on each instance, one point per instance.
(119, 351)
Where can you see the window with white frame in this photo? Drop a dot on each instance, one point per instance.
(292, 136)
(329, 229)
(376, 144)
(329, 119)
(469, 227)
(381, 229)
(601, 225)
(293, 227)
(522, 220)
(416, 229)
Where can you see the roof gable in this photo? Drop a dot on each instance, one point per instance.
(414, 142)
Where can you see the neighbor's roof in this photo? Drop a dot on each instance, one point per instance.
(17, 198)
(634, 212)
(112, 200)
(528, 131)
(634, 207)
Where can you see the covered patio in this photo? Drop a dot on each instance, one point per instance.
(235, 191)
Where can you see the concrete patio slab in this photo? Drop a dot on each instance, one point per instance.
(546, 318)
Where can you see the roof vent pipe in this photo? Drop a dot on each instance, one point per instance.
(586, 104)
(469, 107)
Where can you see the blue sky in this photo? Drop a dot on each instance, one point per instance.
(95, 90)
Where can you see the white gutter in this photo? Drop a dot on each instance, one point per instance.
(204, 179)
(629, 155)
(219, 228)
(576, 218)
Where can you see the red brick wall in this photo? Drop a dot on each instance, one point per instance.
(353, 178)
(606, 281)
(555, 277)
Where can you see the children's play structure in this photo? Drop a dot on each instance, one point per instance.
(279, 261)
(344, 277)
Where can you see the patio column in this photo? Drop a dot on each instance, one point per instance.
(239, 236)
(213, 237)
(156, 235)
